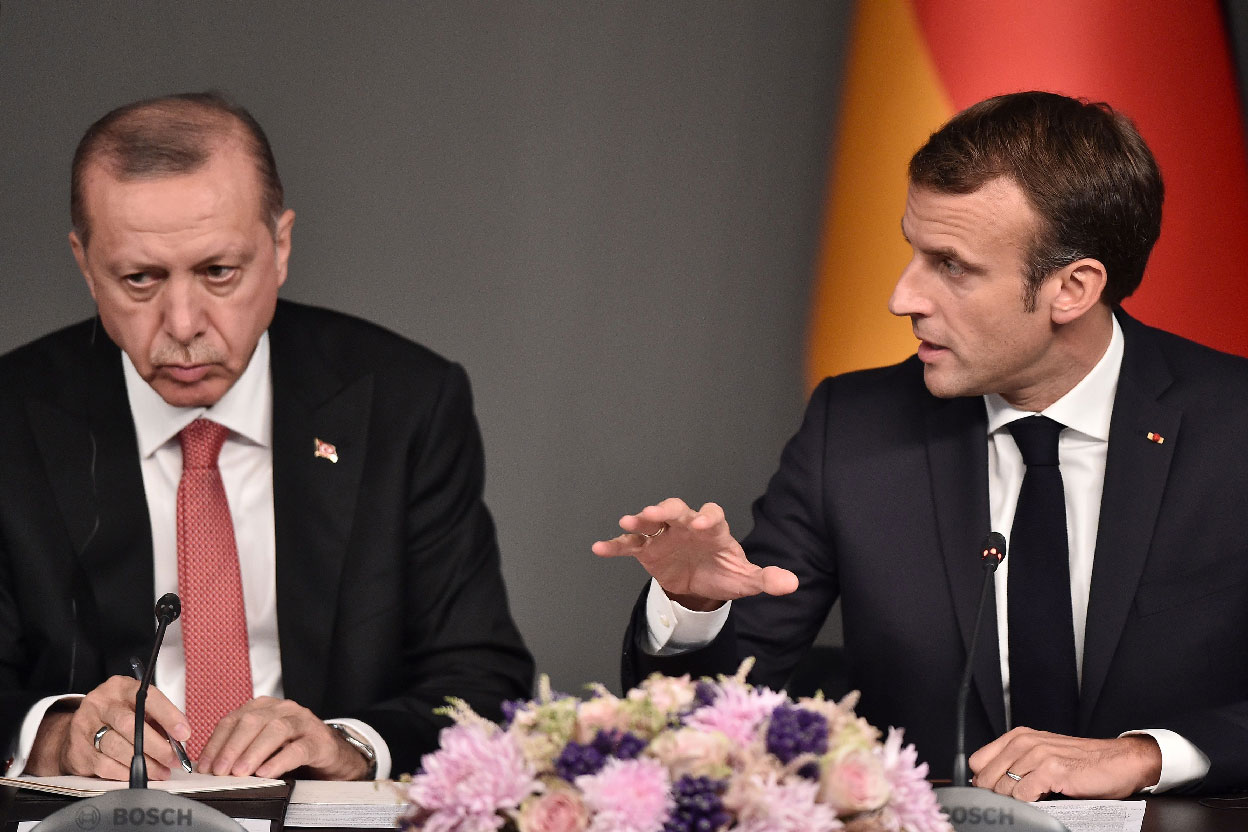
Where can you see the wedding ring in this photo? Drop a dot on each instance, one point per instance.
(662, 529)
(99, 735)
(1013, 776)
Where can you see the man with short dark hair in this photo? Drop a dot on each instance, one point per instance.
(308, 482)
(1035, 406)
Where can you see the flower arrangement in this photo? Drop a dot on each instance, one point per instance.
(673, 755)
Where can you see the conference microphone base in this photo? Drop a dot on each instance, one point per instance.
(137, 809)
(972, 809)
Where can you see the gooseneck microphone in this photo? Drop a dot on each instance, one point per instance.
(168, 608)
(991, 554)
(970, 808)
(124, 810)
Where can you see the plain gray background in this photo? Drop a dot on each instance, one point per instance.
(608, 212)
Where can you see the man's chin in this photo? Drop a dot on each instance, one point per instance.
(203, 393)
(941, 386)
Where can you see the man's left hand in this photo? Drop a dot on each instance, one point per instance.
(1076, 767)
(268, 737)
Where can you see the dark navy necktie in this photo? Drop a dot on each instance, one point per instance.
(1044, 687)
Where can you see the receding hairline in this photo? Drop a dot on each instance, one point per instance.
(172, 136)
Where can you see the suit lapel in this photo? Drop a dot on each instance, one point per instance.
(314, 501)
(1135, 476)
(90, 452)
(957, 450)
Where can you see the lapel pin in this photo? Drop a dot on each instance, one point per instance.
(1156, 437)
(324, 450)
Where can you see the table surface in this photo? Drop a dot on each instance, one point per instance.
(1163, 813)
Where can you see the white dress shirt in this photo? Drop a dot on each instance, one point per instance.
(1082, 449)
(246, 465)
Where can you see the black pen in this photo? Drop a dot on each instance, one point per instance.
(136, 668)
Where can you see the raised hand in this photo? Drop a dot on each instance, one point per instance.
(693, 555)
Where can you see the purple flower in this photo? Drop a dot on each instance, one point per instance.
(913, 806)
(578, 759)
(476, 773)
(627, 796)
(795, 731)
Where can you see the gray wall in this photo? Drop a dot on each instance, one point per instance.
(607, 211)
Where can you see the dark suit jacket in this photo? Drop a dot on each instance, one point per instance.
(882, 499)
(389, 594)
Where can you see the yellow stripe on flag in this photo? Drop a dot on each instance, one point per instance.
(891, 103)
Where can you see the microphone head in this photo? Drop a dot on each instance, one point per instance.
(168, 607)
(993, 551)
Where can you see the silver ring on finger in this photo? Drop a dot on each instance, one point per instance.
(1013, 776)
(662, 529)
(99, 735)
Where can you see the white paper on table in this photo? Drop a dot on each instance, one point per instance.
(179, 782)
(1097, 815)
(367, 804)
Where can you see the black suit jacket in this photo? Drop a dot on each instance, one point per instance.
(881, 499)
(389, 593)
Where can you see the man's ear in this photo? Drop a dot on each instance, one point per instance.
(1080, 287)
(80, 255)
(281, 240)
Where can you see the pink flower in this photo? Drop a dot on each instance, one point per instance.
(772, 805)
(603, 712)
(737, 712)
(558, 810)
(668, 694)
(913, 807)
(698, 753)
(853, 782)
(627, 796)
(463, 786)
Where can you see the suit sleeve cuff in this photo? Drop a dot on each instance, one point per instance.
(1181, 762)
(672, 629)
(366, 733)
(30, 728)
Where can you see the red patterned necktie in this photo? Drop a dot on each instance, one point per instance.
(214, 620)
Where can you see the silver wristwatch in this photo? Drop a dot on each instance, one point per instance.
(366, 750)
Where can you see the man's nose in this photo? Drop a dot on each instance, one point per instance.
(183, 310)
(907, 298)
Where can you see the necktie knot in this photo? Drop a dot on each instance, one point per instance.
(1036, 437)
(201, 443)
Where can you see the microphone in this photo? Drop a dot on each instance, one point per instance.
(971, 808)
(125, 809)
(991, 554)
(168, 608)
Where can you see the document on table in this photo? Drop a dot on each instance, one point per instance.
(1097, 815)
(361, 805)
(178, 783)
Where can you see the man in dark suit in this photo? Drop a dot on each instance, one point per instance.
(352, 463)
(1031, 217)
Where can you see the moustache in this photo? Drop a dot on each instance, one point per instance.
(195, 353)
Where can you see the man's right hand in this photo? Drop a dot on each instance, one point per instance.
(693, 556)
(65, 743)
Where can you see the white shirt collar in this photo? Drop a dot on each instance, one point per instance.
(1088, 406)
(246, 408)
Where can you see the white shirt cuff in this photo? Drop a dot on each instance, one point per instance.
(672, 629)
(365, 732)
(1181, 762)
(30, 727)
